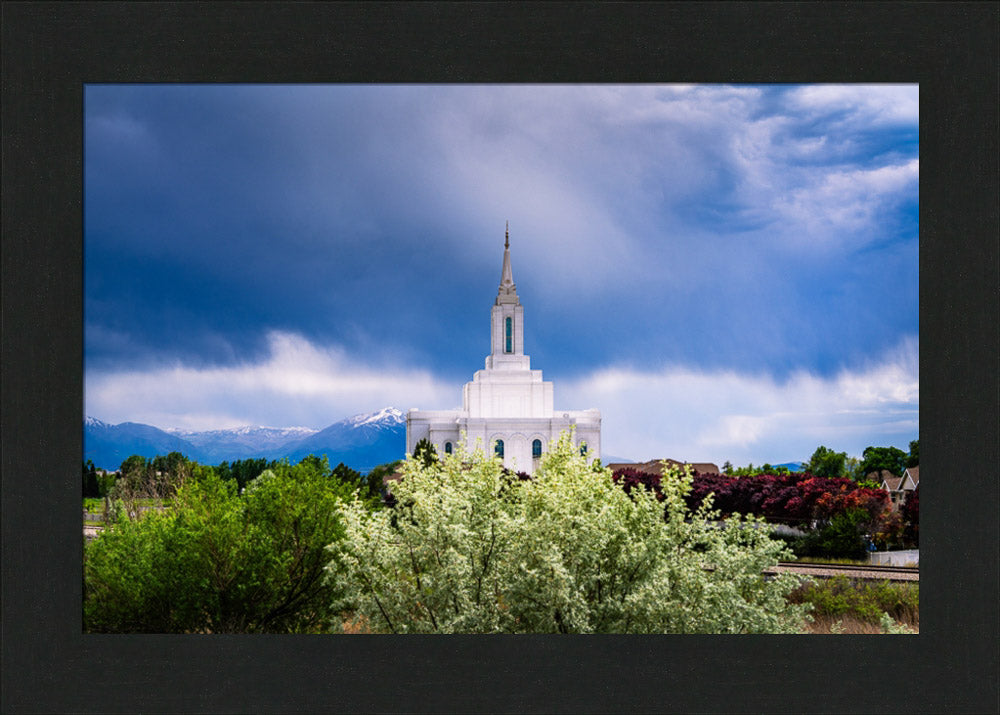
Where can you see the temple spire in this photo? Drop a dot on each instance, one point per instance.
(508, 291)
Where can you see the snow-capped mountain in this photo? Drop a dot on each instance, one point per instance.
(386, 417)
(219, 445)
(361, 442)
(109, 445)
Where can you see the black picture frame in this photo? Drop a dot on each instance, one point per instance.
(51, 50)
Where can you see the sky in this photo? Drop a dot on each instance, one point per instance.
(728, 272)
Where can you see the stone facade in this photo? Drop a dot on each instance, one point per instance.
(507, 407)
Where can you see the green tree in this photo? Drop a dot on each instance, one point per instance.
(375, 479)
(469, 548)
(91, 485)
(221, 561)
(827, 463)
(852, 469)
(844, 536)
(874, 459)
(425, 452)
(913, 459)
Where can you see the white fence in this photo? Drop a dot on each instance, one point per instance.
(909, 557)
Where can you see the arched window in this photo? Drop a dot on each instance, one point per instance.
(498, 449)
(447, 447)
(583, 449)
(536, 448)
(509, 341)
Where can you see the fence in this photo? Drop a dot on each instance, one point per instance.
(909, 557)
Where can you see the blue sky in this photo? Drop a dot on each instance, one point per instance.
(727, 272)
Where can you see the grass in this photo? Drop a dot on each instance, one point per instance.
(858, 605)
(828, 625)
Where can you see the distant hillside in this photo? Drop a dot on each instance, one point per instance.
(361, 442)
(242, 442)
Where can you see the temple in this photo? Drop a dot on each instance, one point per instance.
(507, 407)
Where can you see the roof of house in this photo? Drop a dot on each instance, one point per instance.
(914, 474)
(655, 466)
(892, 484)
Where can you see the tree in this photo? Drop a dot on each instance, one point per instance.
(375, 479)
(911, 516)
(425, 452)
(852, 469)
(91, 485)
(468, 548)
(843, 537)
(914, 459)
(827, 463)
(874, 459)
(221, 561)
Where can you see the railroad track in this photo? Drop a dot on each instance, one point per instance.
(863, 571)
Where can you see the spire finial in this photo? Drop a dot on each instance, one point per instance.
(506, 239)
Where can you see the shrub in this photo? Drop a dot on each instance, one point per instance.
(220, 561)
(470, 549)
(866, 601)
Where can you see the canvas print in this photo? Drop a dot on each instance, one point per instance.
(501, 359)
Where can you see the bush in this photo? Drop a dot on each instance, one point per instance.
(842, 538)
(470, 549)
(866, 601)
(219, 561)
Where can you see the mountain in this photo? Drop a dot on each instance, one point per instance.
(216, 446)
(793, 466)
(110, 445)
(361, 442)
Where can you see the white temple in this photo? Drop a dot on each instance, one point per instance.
(507, 407)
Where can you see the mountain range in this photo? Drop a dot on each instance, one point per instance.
(362, 442)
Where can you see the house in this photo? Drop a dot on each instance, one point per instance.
(899, 488)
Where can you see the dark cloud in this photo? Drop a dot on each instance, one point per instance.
(762, 229)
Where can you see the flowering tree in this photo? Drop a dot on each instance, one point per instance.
(468, 548)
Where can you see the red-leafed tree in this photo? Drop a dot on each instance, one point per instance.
(911, 515)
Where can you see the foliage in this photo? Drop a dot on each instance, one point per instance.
(469, 548)
(911, 516)
(843, 537)
(867, 601)
(751, 471)
(890, 627)
(424, 451)
(91, 485)
(375, 479)
(852, 470)
(874, 459)
(797, 498)
(913, 459)
(244, 470)
(219, 560)
(140, 478)
(827, 463)
(794, 497)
